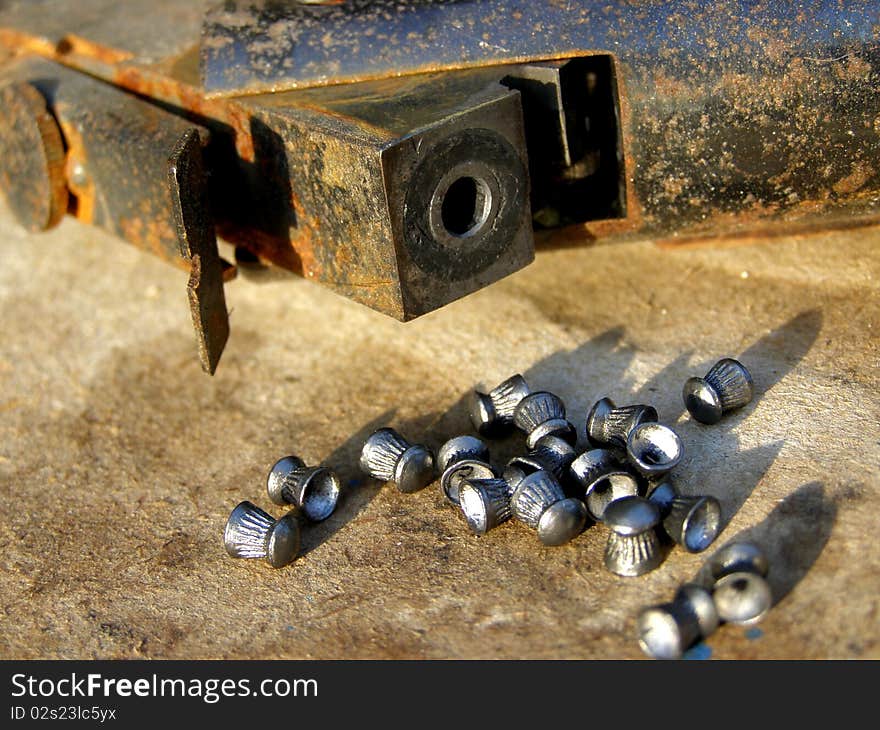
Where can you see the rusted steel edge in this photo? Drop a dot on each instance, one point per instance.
(198, 245)
(113, 66)
(778, 229)
(415, 70)
(244, 51)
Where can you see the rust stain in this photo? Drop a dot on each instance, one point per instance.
(159, 235)
(861, 173)
(19, 43)
(304, 243)
(853, 68)
(634, 208)
(132, 230)
(298, 101)
(110, 64)
(73, 44)
(761, 234)
(83, 190)
(670, 86)
(190, 99)
(153, 233)
(676, 193)
(417, 70)
(270, 248)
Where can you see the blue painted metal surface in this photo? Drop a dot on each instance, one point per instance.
(265, 46)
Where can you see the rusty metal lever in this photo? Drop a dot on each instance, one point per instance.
(198, 244)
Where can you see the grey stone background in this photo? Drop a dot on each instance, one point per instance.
(120, 460)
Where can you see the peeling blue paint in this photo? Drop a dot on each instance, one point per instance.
(698, 651)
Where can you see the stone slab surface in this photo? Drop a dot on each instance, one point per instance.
(120, 460)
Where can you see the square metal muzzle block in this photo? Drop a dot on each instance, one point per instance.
(407, 193)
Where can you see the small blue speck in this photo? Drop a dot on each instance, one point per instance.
(754, 634)
(700, 651)
(289, 628)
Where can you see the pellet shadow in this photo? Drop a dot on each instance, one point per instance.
(602, 360)
(792, 537)
(601, 363)
(607, 348)
(735, 486)
(663, 390)
(571, 236)
(769, 359)
(357, 491)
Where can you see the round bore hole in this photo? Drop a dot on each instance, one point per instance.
(465, 206)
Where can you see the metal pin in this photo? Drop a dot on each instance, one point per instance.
(485, 503)
(727, 385)
(492, 413)
(539, 502)
(252, 533)
(653, 449)
(542, 414)
(741, 592)
(389, 457)
(668, 630)
(603, 479)
(633, 547)
(314, 489)
(460, 458)
(608, 425)
(693, 522)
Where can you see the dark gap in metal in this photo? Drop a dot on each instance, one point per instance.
(464, 206)
(571, 117)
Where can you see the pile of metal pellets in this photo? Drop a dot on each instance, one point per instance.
(621, 482)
